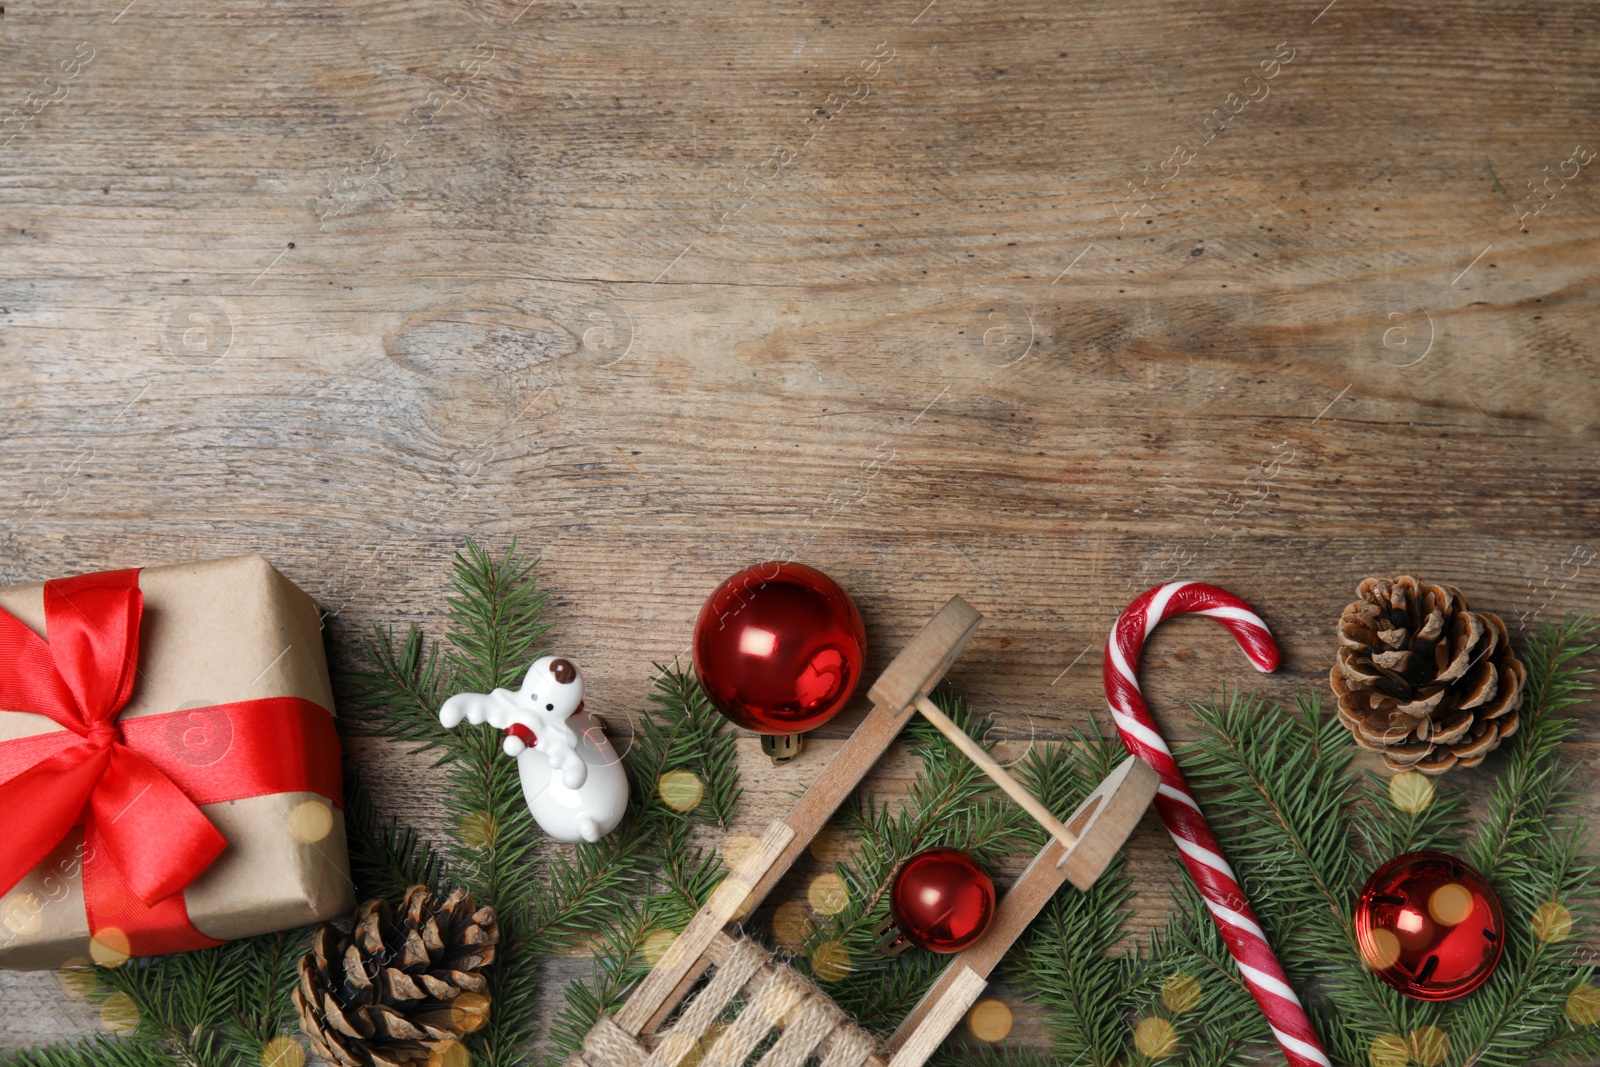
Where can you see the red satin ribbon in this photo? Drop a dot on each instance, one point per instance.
(135, 786)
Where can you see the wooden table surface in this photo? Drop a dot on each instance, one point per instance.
(1038, 302)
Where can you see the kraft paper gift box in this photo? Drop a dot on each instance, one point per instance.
(209, 808)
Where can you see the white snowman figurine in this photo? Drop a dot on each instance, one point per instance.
(572, 778)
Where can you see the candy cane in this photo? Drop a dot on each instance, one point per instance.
(1201, 853)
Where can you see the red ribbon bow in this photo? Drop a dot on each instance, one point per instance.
(136, 792)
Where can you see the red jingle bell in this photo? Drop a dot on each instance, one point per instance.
(779, 648)
(941, 900)
(1430, 926)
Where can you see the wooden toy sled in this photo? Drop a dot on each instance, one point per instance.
(650, 1031)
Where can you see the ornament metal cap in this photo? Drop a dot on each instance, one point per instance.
(781, 748)
(888, 939)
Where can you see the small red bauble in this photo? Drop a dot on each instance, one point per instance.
(779, 647)
(1430, 926)
(942, 900)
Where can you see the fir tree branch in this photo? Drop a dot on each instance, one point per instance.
(496, 616)
(619, 965)
(685, 875)
(1435, 820)
(586, 882)
(385, 857)
(1065, 960)
(93, 1052)
(182, 1001)
(264, 970)
(678, 731)
(687, 733)
(1280, 800)
(400, 685)
(1223, 1019)
(494, 625)
(1531, 847)
(513, 989)
(987, 1055)
(1567, 1042)
(1285, 777)
(1523, 795)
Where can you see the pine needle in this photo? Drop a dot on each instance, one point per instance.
(1300, 829)
(1303, 834)
(1531, 845)
(94, 1052)
(386, 858)
(619, 964)
(1065, 961)
(494, 627)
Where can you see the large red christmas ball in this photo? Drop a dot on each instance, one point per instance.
(779, 647)
(1430, 926)
(942, 900)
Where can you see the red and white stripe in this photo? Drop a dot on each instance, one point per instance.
(1201, 853)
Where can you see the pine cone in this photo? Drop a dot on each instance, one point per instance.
(1423, 680)
(398, 985)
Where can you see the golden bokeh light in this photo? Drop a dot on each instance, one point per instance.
(656, 944)
(830, 961)
(1450, 904)
(76, 977)
(470, 1011)
(792, 925)
(779, 1003)
(1583, 1005)
(311, 821)
(449, 1054)
(830, 846)
(989, 1020)
(827, 894)
(119, 1014)
(739, 851)
(681, 790)
(109, 947)
(1411, 791)
(1429, 1046)
(1389, 1050)
(1381, 950)
(730, 901)
(1181, 993)
(1155, 1038)
(283, 1051)
(692, 1050)
(478, 830)
(1552, 922)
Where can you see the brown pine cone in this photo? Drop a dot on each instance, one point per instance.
(1423, 680)
(397, 985)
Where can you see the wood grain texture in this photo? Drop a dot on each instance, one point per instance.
(653, 289)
